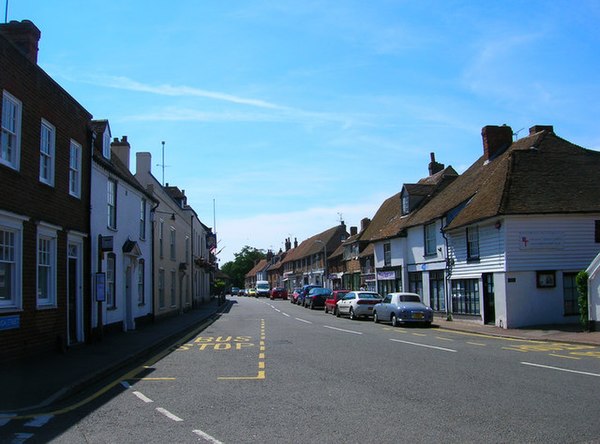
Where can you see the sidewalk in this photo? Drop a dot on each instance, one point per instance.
(32, 385)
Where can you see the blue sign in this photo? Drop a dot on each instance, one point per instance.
(10, 322)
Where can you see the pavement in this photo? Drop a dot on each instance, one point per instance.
(35, 385)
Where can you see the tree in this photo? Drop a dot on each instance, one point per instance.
(244, 261)
(581, 281)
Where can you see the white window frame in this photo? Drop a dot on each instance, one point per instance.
(106, 144)
(143, 219)
(47, 238)
(429, 232)
(111, 204)
(141, 282)
(172, 244)
(10, 130)
(473, 243)
(161, 288)
(47, 150)
(161, 239)
(387, 254)
(12, 225)
(111, 281)
(75, 151)
(173, 289)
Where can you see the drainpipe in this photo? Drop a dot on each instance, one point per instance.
(446, 276)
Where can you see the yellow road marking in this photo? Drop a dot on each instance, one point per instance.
(563, 356)
(261, 361)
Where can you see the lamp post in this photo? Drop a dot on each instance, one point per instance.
(319, 241)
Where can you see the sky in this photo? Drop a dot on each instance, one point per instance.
(281, 118)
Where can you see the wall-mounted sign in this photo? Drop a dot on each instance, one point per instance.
(100, 287)
(386, 275)
(541, 240)
(10, 322)
(106, 243)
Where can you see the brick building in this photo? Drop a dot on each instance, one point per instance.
(44, 204)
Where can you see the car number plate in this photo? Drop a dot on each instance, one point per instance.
(418, 315)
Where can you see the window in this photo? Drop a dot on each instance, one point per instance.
(10, 265)
(143, 219)
(415, 283)
(430, 240)
(10, 140)
(111, 263)
(141, 276)
(405, 204)
(465, 296)
(187, 248)
(161, 245)
(47, 142)
(106, 144)
(387, 254)
(472, 243)
(597, 231)
(46, 268)
(172, 240)
(161, 288)
(570, 295)
(111, 199)
(75, 169)
(173, 288)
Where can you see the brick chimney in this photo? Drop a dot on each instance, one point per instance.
(353, 231)
(434, 167)
(121, 149)
(537, 128)
(495, 140)
(24, 35)
(364, 223)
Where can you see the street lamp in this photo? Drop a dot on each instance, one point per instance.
(319, 241)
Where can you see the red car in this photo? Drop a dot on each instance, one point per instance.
(331, 301)
(279, 292)
(295, 295)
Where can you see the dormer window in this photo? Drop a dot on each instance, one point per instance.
(106, 145)
(405, 204)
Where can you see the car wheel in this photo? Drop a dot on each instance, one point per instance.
(352, 315)
(312, 306)
(375, 317)
(326, 310)
(337, 312)
(394, 320)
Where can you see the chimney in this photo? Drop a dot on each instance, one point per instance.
(434, 167)
(143, 163)
(495, 140)
(353, 231)
(364, 223)
(295, 242)
(537, 128)
(24, 35)
(121, 150)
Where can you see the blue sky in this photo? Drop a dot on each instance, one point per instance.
(290, 115)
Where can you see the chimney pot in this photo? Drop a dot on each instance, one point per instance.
(434, 167)
(537, 128)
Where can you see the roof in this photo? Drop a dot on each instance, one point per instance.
(260, 266)
(389, 222)
(538, 174)
(331, 238)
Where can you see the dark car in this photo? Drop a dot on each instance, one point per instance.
(304, 291)
(235, 291)
(278, 292)
(332, 300)
(295, 295)
(316, 297)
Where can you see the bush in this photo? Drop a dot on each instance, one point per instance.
(582, 289)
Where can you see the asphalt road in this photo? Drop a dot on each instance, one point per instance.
(272, 372)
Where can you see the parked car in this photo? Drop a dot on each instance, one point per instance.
(402, 308)
(332, 300)
(316, 297)
(295, 295)
(235, 291)
(357, 304)
(279, 292)
(252, 292)
(242, 292)
(304, 291)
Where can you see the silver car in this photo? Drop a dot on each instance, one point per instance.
(357, 304)
(402, 308)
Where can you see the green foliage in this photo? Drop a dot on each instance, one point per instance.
(581, 281)
(243, 263)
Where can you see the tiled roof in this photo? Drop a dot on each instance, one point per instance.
(260, 266)
(331, 237)
(538, 174)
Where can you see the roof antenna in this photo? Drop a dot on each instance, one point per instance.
(6, 13)
(516, 134)
(341, 218)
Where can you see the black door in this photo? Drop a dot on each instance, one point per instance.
(489, 310)
(72, 300)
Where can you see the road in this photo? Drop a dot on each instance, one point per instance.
(272, 372)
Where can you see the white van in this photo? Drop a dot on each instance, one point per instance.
(262, 288)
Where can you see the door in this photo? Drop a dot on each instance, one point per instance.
(74, 293)
(129, 321)
(489, 310)
(73, 303)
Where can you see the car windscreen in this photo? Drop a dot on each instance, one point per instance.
(410, 298)
(369, 296)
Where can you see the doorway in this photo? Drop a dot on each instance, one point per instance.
(489, 303)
